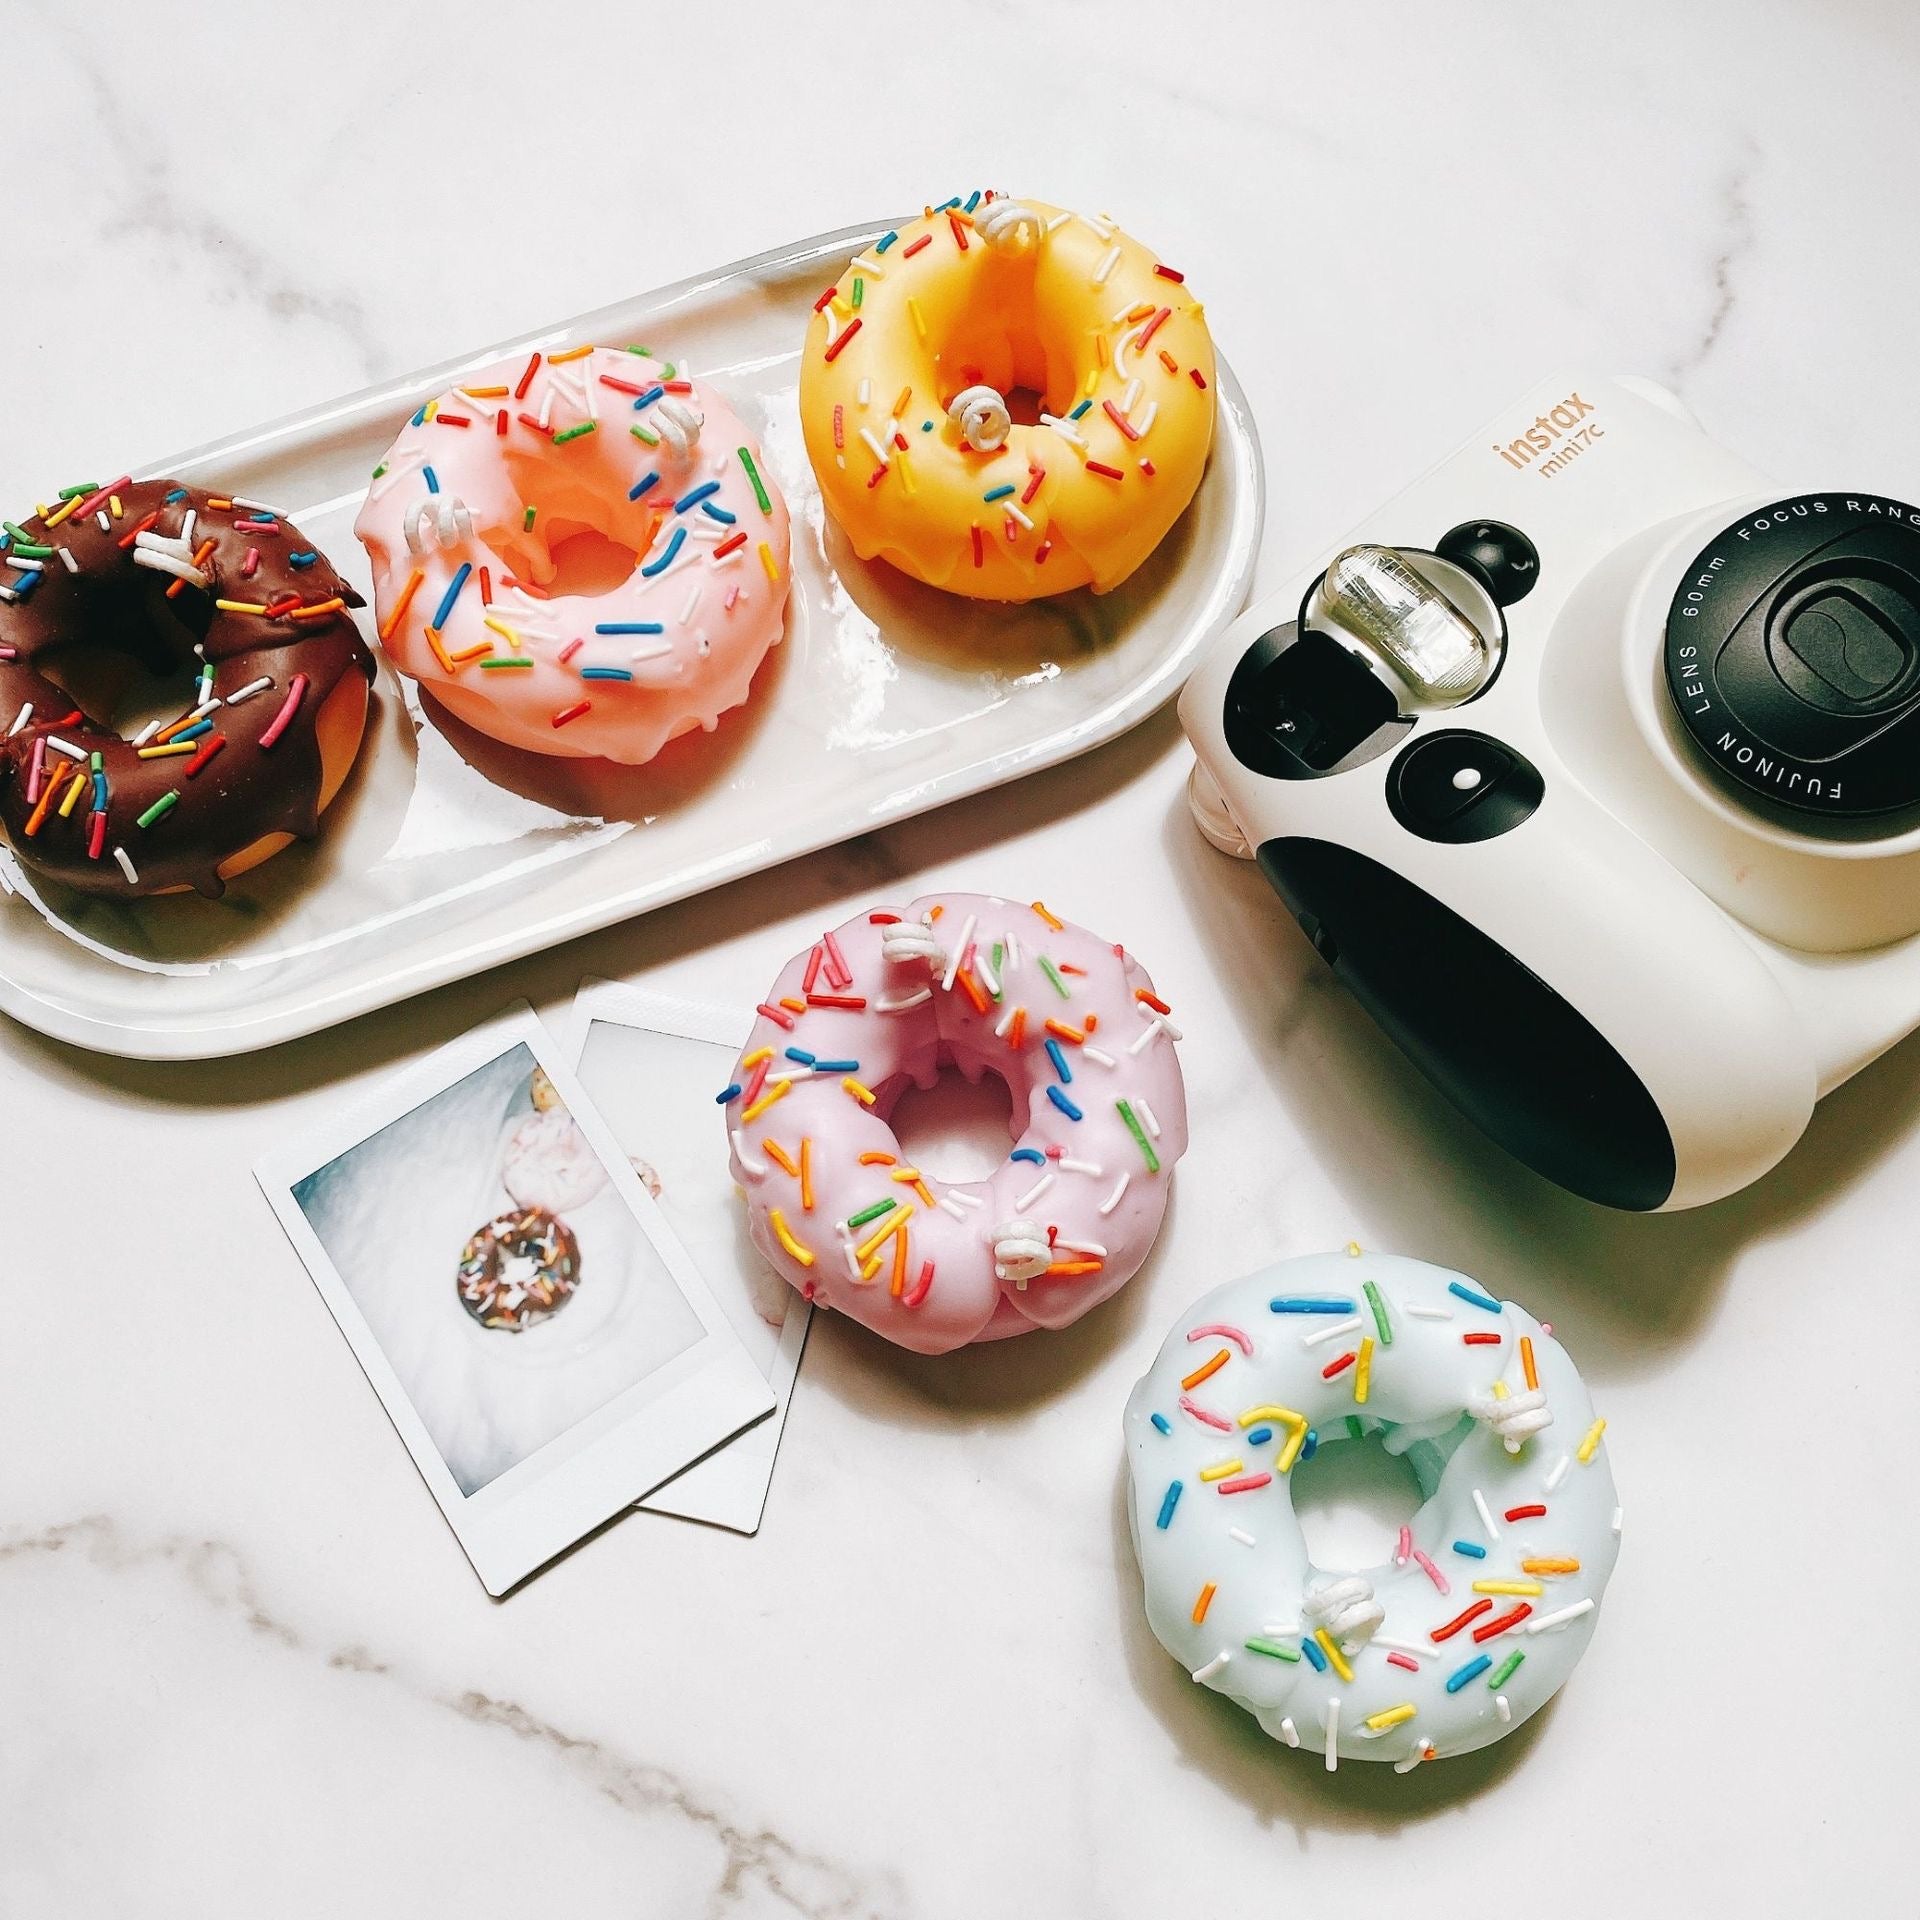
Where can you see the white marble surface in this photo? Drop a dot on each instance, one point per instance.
(247, 1670)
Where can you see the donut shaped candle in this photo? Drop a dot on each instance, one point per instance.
(916, 364)
(1490, 1595)
(486, 486)
(1069, 1021)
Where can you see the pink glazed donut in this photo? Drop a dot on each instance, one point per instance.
(486, 484)
(1073, 1026)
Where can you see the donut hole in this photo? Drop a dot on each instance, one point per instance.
(587, 563)
(1352, 1498)
(957, 1129)
(136, 673)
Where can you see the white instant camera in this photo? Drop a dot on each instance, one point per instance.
(1592, 766)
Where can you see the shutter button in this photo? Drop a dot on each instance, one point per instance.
(1458, 786)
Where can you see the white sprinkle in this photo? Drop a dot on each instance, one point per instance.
(959, 949)
(21, 718)
(1486, 1514)
(1421, 1750)
(966, 1199)
(1034, 1192)
(987, 976)
(1113, 1199)
(872, 268)
(1098, 227)
(29, 566)
(1013, 952)
(1013, 513)
(259, 506)
(1108, 261)
(903, 1001)
(1130, 396)
(752, 1168)
(1501, 1707)
(652, 651)
(126, 866)
(1144, 425)
(692, 601)
(1216, 1665)
(1321, 1334)
(66, 746)
(1559, 1472)
(1058, 220)
(1333, 1734)
(100, 518)
(864, 392)
(145, 734)
(68, 561)
(1065, 429)
(1145, 1038)
(1427, 1313)
(1092, 1248)
(1006, 1020)
(876, 446)
(1548, 1621)
(546, 407)
(1097, 1053)
(1066, 1164)
(853, 1264)
(1241, 1534)
(1146, 1114)
(1616, 1519)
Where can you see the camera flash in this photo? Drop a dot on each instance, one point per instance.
(1418, 632)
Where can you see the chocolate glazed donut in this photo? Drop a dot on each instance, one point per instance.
(166, 575)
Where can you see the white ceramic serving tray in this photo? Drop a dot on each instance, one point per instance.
(446, 854)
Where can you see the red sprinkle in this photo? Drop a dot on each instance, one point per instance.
(134, 532)
(1152, 327)
(452, 420)
(838, 972)
(925, 240)
(1152, 1000)
(573, 712)
(96, 835)
(1459, 1620)
(815, 961)
(486, 586)
(959, 232)
(1120, 420)
(1167, 273)
(854, 1003)
(1499, 1625)
(1246, 1483)
(1338, 1366)
(621, 386)
(920, 1286)
(1041, 551)
(839, 425)
(1106, 472)
(500, 423)
(1480, 1339)
(778, 1015)
(979, 547)
(208, 748)
(1533, 1512)
(853, 327)
(526, 379)
(819, 306)
(1033, 485)
(731, 544)
(527, 420)
(1198, 378)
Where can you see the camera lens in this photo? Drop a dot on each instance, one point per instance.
(1793, 653)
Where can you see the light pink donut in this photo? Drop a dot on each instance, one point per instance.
(485, 483)
(1073, 1026)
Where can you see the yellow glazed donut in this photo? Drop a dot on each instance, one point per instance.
(1007, 400)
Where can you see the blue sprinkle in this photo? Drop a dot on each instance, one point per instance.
(726, 1094)
(641, 485)
(630, 626)
(194, 732)
(1311, 1444)
(1059, 1060)
(836, 1066)
(1470, 1549)
(1311, 1648)
(301, 559)
(666, 559)
(706, 491)
(420, 418)
(648, 398)
(1161, 1421)
(885, 241)
(926, 426)
(1297, 1304)
(1065, 1105)
(973, 200)
(432, 479)
(1167, 1506)
(605, 673)
(459, 580)
(1472, 1670)
(800, 1053)
(1034, 1154)
(1259, 1436)
(712, 512)
(947, 206)
(1080, 409)
(22, 587)
(1472, 1298)
(179, 493)
(998, 493)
